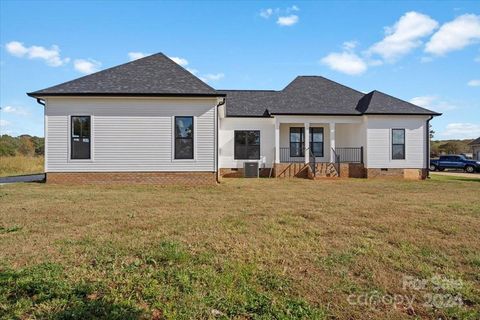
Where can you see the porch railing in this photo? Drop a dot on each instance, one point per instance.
(286, 158)
(350, 155)
(336, 157)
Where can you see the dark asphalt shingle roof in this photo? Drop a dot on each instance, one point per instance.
(476, 141)
(315, 95)
(153, 75)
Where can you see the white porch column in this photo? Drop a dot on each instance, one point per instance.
(277, 141)
(332, 141)
(307, 142)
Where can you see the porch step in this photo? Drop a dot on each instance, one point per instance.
(325, 170)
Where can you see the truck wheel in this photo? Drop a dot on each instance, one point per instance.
(469, 169)
(433, 167)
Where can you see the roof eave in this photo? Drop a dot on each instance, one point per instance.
(110, 94)
(433, 114)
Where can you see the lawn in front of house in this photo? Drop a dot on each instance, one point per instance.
(247, 248)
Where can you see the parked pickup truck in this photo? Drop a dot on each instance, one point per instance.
(453, 161)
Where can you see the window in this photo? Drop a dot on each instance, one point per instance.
(80, 137)
(247, 145)
(297, 142)
(316, 141)
(398, 144)
(183, 137)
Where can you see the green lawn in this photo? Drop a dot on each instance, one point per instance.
(245, 249)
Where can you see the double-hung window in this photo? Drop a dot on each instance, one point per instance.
(297, 141)
(247, 145)
(316, 141)
(80, 137)
(183, 137)
(398, 144)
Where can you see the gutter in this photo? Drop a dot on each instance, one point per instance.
(120, 94)
(217, 122)
(41, 101)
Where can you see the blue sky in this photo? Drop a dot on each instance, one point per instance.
(425, 52)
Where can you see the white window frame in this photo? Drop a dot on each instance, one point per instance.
(194, 139)
(92, 156)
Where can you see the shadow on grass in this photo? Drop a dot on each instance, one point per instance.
(42, 292)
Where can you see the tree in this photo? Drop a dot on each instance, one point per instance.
(26, 146)
(431, 131)
(8, 145)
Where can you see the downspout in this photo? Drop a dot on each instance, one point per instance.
(217, 121)
(427, 145)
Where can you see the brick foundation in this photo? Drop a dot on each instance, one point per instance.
(352, 170)
(153, 178)
(238, 173)
(409, 174)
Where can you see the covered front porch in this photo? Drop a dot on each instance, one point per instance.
(317, 144)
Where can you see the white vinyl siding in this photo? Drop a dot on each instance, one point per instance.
(266, 126)
(379, 141)
(130, 134)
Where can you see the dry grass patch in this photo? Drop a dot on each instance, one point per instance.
(244, 249)
(19, 165)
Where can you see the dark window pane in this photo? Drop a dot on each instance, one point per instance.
(183, 148)
(398, 136)
(184, 127)
(316, 134)
(317, 149)
(240, 138)
(398, 151)
(296, 149)
(247, 145)
(76, 127)
(296, 134)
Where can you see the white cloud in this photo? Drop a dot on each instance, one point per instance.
(87, 66)
(287, 21)
(350, 45)
(137, 55)
(212, 77)
(266, 13)
(345, 62)
(50, 56)
(455, 35)
(426, 59)
(293, 8)
(474, 83)
(461, 131)
(3, 125)
(15, 110)
(181, 61)
(404, 36)
(192, 71)
(433, 103)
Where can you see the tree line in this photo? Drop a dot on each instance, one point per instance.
(24, 145)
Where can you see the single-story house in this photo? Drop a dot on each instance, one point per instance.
(152, 121)
(475, 145)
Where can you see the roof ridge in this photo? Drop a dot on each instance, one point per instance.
(249, 90)
(99, 71)
(324, 78)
